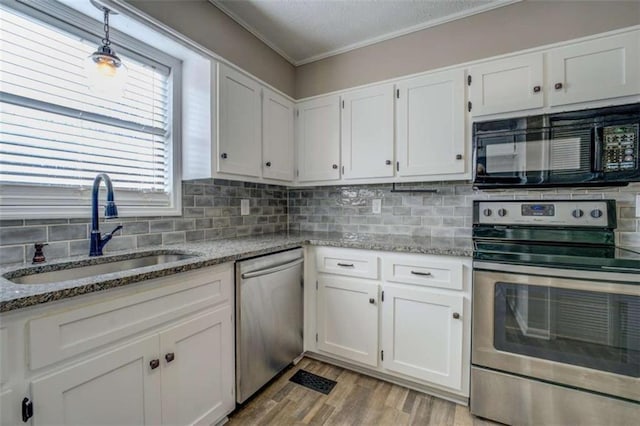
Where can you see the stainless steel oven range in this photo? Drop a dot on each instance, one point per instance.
(556, 315)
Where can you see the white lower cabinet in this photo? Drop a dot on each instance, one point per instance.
(348, 318)
(197, 374)
(8, 407)
(118, 388)
(422, 334)
(157, 352)
(178, 377)
(411, 327)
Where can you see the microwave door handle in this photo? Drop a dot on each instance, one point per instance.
(597, 149)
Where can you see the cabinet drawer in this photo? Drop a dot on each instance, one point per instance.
(61, 335)
(423, 271)
(347, 262)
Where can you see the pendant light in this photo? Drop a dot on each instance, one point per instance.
(106, 73)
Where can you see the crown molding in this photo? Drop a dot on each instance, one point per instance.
(253, 31)
(364, 43)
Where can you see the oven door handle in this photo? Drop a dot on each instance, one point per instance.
(610, 281)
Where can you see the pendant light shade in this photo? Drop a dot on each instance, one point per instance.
(106, 74)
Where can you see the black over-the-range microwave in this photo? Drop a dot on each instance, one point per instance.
(594, 147)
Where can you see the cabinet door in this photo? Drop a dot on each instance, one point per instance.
(596, 69)
(431, 125)
(348, 318)
(9, 404)
(421, 336)
(318, 139)
(367, 133)
(197, 370)
(116, 388)
(277, 136)
(506, 85)
(239, 145)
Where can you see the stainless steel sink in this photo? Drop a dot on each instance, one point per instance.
(76, 272)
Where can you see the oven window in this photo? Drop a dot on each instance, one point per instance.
(585, 328)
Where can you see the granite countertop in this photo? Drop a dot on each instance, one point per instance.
(207, 253)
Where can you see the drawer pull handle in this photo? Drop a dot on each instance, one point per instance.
(456, 315)
(170, 356)
(346, 265)
(372, 301)
(154, 363)
(423, 274)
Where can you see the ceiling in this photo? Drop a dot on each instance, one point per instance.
(304, 31)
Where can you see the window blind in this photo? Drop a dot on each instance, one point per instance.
(55, 132)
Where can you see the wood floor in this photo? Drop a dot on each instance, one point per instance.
(356, 399)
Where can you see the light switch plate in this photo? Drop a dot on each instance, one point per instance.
(377, 206)
(244, 207)
(637, 205)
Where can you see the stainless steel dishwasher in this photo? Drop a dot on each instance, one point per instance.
(269, 320)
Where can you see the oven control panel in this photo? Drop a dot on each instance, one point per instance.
(588, 213)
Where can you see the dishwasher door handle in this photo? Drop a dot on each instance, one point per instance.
(273, 269)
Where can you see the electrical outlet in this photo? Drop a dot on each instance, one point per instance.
(637, 205)
(244, 207)
(377, 206)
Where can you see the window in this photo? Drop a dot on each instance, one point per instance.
(56, 135)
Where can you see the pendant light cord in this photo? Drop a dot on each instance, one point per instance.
(106, 40)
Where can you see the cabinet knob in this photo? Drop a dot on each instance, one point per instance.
(456, 315)
(388, 162)
(558, 86)
(458, 156)
(372, 301)
(268, 164)
(224, 155)
(154, 363)
(170, 356)
(536, 89)
(335, 166)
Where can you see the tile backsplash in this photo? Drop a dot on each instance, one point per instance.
(211, 210)
(443, 214)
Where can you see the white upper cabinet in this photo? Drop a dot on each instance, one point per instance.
(239, 145)
(511, 84)
(593, 70)
(318, 138)
(367, 133)
(597, 69)
(277, 136)
(431, 125)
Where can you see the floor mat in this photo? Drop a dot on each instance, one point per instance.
(313, 381)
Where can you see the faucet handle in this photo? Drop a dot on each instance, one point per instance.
(116, 229)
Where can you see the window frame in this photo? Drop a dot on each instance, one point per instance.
(19, 201)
